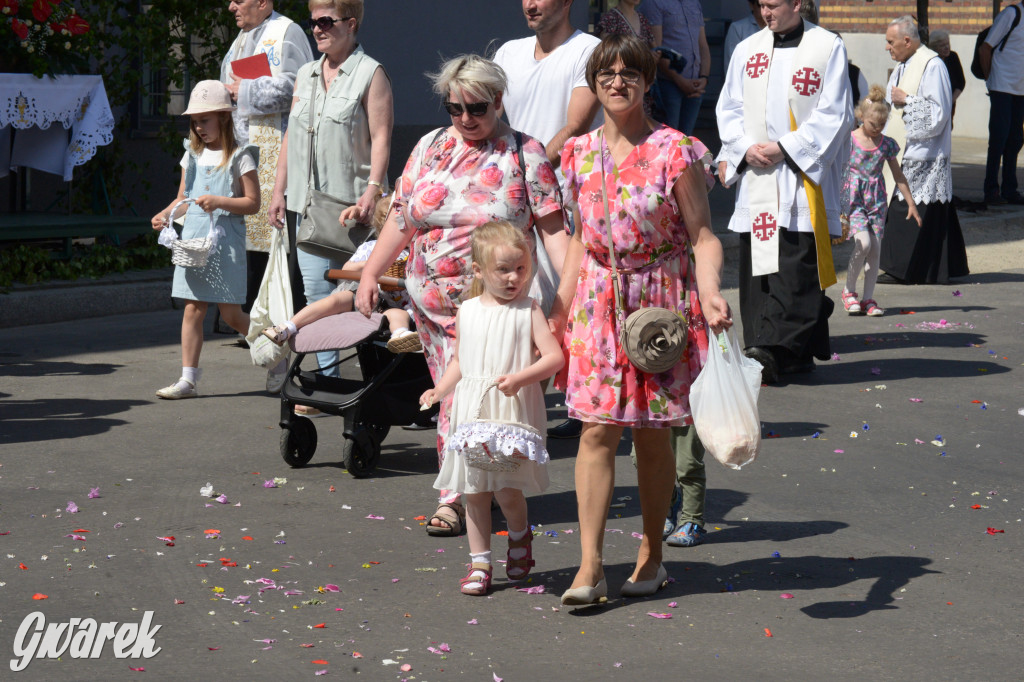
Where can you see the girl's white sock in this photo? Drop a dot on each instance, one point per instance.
(515, 536)
(191, 375)
(481, 557)
(398, 332)
(291, 328)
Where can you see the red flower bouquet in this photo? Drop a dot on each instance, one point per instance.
(42, 37)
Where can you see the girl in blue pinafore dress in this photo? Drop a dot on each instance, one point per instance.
(221, 179)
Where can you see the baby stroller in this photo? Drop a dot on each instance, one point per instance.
(386, 395)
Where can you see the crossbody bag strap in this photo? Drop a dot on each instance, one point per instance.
(620, 313)
(522, 168)
(312, 147)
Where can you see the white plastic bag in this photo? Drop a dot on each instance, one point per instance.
(723, 400)
(273, 306)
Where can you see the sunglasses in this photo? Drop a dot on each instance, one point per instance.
(605, 77)
(475, 109)
(325, 23)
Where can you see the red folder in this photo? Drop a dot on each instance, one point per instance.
(252, 67)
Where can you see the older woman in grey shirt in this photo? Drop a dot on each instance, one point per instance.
(352, 119)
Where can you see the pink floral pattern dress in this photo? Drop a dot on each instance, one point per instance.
(448, 188)
(655, 265)
(863, 196)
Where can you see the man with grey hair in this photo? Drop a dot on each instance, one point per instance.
(920, 122)
(261, 115)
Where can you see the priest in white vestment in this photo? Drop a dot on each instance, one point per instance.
(261, 117)
(785, 117)
(921, 122)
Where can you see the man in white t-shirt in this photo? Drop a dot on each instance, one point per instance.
(547, 96)
(548, 99)
(1002, 62)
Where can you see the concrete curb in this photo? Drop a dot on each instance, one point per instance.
(131, 292)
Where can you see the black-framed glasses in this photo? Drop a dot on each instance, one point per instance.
(325, 24)
(605, 77)
(475, 108)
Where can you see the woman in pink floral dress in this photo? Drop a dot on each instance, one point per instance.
(455, 180)
(657, 181)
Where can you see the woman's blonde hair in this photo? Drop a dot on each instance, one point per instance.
(874, 103)
(344, 8)
(227, 137)
(470, 73)
(488, 237)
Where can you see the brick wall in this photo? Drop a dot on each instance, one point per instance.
(864, 16)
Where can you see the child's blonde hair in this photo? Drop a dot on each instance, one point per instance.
(874, 103)
(485, 239)
(380, 213)
(227, 137)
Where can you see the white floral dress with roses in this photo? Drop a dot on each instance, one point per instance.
(448, 188)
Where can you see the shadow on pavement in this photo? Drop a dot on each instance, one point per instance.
(53, 369)
(27, 421)
(938, 308)
(892, 370)
(791, 429)
(991, 278)
(775, 531)
(798, 576)
(853, 343)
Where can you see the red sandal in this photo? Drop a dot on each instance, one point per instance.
(520, 566)
(484, 582)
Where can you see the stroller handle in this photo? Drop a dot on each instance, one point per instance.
(350, 276)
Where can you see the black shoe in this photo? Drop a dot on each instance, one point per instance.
(886, 278)
(800, 367)
(1017, 199)
(570, 428)
(769, 371)
(994, 200)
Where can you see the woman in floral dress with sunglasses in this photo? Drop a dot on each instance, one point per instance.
(456, 179)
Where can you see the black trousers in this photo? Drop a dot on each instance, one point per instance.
(786, 311)
(929, 254)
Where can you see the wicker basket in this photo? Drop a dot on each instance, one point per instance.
(396, 270)
(192, 253)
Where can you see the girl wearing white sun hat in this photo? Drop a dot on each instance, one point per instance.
(219, 178)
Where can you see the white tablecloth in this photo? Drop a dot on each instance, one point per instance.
(29, 109)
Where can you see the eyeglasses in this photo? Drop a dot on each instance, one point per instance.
(605, 77)
(475, 108)
(325, 23)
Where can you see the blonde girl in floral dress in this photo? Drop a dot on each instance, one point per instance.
(657, 181)
(457, 179)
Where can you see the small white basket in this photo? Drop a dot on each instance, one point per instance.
(192, 253)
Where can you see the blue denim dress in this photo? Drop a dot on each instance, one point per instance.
(223, 278)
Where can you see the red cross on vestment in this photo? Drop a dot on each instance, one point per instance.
(757, 65)
(764, 226)
(806, 81)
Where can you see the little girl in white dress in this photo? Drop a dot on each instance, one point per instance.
(496, 444)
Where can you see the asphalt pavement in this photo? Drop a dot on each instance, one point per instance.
(877, 536)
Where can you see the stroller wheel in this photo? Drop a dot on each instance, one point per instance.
(361, 454)
(298, 442)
